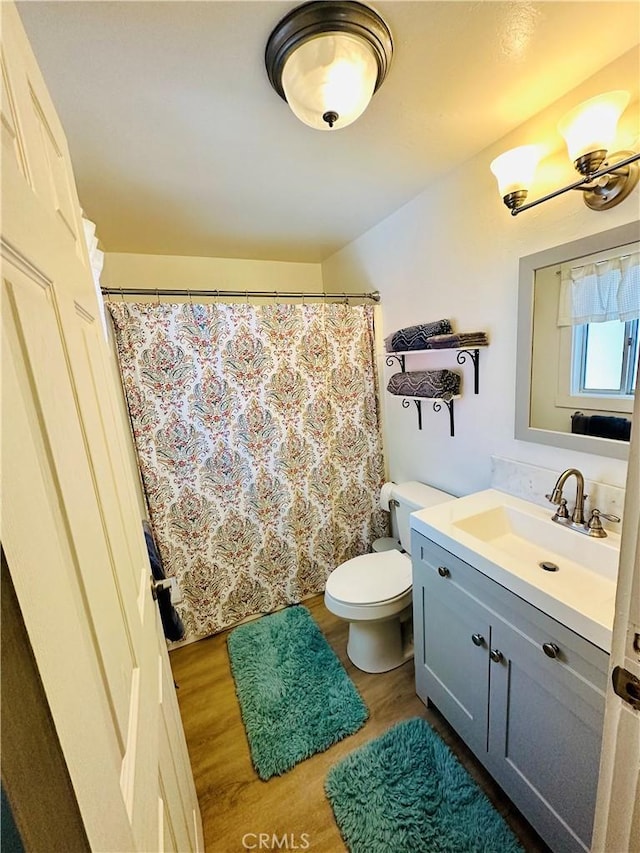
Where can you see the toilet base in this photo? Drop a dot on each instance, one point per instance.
(381, 646)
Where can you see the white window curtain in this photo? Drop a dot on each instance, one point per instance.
(597, 292)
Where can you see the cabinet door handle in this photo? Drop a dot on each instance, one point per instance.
(478, 639)
(443, 571)
(496, 655)
(550, 650)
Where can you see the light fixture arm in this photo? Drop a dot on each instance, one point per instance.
(583, 183)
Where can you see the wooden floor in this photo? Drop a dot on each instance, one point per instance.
(234, 801)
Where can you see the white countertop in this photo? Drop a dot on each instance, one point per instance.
(581, 595)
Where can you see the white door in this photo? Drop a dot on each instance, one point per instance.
(70, 524)
(617, 822)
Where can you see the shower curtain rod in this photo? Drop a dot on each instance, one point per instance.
(278, 294)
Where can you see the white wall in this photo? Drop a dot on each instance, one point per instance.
(453, 252)
(175, 271)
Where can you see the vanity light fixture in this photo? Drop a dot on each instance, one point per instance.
(326, 59)
(589, 131)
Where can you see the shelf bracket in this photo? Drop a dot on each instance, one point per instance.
(474, 355)
(437, 406)
(399, 358)
(407, 403)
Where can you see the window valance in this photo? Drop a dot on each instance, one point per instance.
(601, 291)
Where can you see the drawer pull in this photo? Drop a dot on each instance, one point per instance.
(478, 639)
(443, 571)
(496, 655)
(550, 650)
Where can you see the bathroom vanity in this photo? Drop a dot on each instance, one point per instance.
(522, 687)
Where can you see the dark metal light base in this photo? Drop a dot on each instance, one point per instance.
(515, 199)
(321, 17)
(590, 163)
(618, 184)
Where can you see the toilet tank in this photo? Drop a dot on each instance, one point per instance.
(411, 497)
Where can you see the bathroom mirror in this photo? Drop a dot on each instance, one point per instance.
(543, 363)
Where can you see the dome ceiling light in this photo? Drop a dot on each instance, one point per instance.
(326, 59)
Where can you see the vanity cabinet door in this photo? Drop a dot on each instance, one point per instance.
(452, 642)
(545, 729)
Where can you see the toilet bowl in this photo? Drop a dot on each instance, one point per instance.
(373, 591)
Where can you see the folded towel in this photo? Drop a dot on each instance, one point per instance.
(415, 337)
(442, 384)
(457, 339)
(601, 426)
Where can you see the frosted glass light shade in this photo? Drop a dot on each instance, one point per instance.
(592, 125)
(333, 73)
(515, 169)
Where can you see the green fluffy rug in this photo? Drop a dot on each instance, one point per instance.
(405, 792)
(295, 697)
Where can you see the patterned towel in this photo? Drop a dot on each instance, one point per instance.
(457, 339)
(415, 337)
(443, 384)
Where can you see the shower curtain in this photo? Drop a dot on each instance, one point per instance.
(258, 438)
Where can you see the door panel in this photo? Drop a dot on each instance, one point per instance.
(455, 669)
(545, 733)
(12, 147)
(31, 308)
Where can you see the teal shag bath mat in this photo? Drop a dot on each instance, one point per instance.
(406, 792)
(295, 696)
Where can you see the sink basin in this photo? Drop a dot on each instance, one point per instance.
(525, 536)
(508, 539)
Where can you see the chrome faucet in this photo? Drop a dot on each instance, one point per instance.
(556, 496)
(576, 521)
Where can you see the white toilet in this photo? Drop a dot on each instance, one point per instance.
(373, 591)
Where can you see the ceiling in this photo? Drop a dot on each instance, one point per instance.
(181, 147)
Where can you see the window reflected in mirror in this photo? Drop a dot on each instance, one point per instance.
(585, 344)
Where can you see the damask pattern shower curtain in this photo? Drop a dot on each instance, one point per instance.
(259, 445)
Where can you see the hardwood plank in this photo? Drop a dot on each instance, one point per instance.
(235, 802)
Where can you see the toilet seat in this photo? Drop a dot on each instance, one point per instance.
(371, 579)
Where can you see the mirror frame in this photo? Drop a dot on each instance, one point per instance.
(619, 236)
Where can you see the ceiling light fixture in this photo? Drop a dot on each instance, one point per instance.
(589, 130)
(326, 59)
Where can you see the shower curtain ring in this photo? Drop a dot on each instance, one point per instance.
(246, 297)
(121, 295)
(157, 296)
(190, 299)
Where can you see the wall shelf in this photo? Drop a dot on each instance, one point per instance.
(463, 353)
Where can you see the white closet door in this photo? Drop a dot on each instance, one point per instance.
(70, 521)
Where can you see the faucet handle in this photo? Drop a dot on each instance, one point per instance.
(562, 511)
(594, 522)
